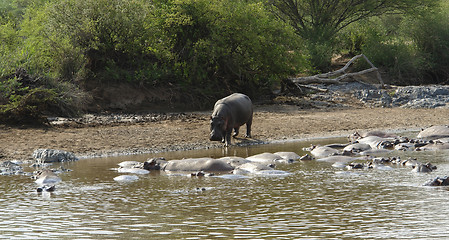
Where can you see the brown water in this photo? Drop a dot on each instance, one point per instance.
(316, 201)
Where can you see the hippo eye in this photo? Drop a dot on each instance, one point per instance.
(216, 121)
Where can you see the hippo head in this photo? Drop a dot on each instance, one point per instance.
(386, 145)
(154, 163)
(217, 128)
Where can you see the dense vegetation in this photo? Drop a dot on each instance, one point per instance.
(54, 52)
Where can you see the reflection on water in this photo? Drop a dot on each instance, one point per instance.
(316, 201)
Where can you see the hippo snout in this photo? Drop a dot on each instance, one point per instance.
(215, 137)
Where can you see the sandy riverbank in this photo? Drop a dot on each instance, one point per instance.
(191, 130)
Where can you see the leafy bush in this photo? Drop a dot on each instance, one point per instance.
(112, 36)
(29, 107)
(413, 48)
(227, 46)
(26, 99)
(400, 58)
(430, 33)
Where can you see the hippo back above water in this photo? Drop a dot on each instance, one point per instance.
(230, 113)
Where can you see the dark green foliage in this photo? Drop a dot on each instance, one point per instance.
(229, 46)
(412, 48)
(28, 108)
(111, 35)
(430, 33)
(212, 45)
(26, 99)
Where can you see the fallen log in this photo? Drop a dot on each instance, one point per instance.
(326, 78)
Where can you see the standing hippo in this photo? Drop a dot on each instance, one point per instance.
(230, 113)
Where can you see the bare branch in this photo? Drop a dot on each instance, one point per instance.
(346, 77)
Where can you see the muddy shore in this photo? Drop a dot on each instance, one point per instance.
(122, 135)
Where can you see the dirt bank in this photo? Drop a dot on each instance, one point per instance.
(190, 131)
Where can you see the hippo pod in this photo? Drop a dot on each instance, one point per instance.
(229, 114)
(224, 164)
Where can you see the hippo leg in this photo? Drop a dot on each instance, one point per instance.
(228, 138)
(236, 131)
(248, 127)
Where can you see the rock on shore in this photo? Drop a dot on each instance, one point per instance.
(52, 155)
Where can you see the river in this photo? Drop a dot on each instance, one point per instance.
(316, 201)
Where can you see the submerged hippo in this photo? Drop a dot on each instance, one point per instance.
(46, 179)
(357, 147)
(230, 113)
(428, 167)
(434, 147)
(323, 151)
(439, 181)
(377, 142)
(234, 161)
(339, 159)
(356, 135)
(268, 158)
(251, 167)
(434, 132)
(189, 164)
(288, 156)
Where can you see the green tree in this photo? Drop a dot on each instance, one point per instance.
(112, 35)
(319, 21)
(227, 46)
(430, 34)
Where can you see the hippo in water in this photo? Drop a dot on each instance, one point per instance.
(323, 151)
(357, 147)
(439, 181)
(46, 179)
(224, 164)
(230, 113)
(190, 164)
(377, 142)
(434, 132)
(356, 135)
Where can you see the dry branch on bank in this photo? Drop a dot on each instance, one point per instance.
(329, 78)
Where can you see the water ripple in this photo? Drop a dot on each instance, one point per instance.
(315, 201)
